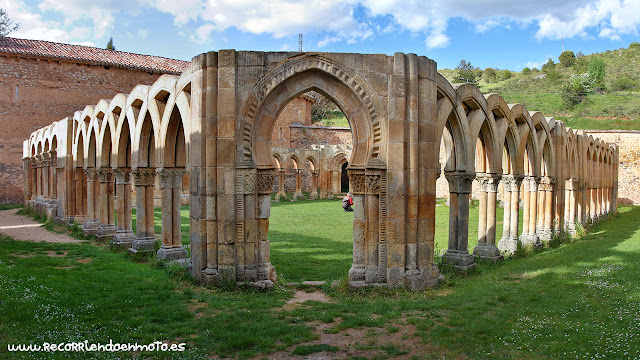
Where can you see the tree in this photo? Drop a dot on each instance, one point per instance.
(597, 73)
(581, 64)
(466, 72)
(7, 26)
(110, 44)
(549, 68)
(504, 74)
(567, 58)
(576, 89)
(526, 71)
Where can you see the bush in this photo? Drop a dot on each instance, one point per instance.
(526, 71)
(535, 70)
(597, 73)
(624, 83)
(581, 65)
(504, 74)
(576, 89)
(549, 68)
(634, 45)
(489, 75)
(567, 58)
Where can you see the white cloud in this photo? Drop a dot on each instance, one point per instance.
(143, 33)
(437, 40)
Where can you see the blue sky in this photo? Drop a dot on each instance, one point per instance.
(497, 33)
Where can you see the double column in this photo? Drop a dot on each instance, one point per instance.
(457, 254)
(545, 211)
(107, 227)
(572, 189)
(314, 185)
(145, 237)
(297, 195)
(90, 226)
(124, 235)
(171, 185)
(280, 194)
(486, 248)
(511, 199)
(530, 203)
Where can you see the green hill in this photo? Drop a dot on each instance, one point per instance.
(615, 107)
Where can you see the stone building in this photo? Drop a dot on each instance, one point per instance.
(41, 80)
(215, 122)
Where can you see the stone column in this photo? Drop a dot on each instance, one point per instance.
(281, 194)
(124, 235)
(297, 195)
(34, 177)
(53, 193)
(80, 195)
(92, 222)
(27, 179)
(145, 237)
(592, 204)
(545, 222)
(504, 243)
(46, 172)
(515, 210)
(529, 235)
(457, 254)
(314, 185)
(486, 248)
(39, 165)
(107, 228)
(171, 185)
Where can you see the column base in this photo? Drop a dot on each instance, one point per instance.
(420, 279)
(530, 239)
(143, 244)
(105, 232)
(314, 196)
(508, 245)
(297, 197)
(545, 235)
(458, 260)
(90, 227)
(487, 252)
(123, 239)
(356, 273)
(172, 253)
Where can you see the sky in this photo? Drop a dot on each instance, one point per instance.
(503, 34)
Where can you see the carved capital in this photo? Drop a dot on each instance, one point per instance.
(489, 183)
(533, 183)
(264, 181)
(546, 183)
(373, 183)
(170, 177)
(357, 181)
(123, 176)
(91, 173)
(460, 183)
(144, 176)
(105, 175)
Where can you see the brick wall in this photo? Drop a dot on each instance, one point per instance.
(304, 136)
(297, 111)
(34, 93)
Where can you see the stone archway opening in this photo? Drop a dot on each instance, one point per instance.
(309, 240)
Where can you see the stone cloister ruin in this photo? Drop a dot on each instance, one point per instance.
(213, 125)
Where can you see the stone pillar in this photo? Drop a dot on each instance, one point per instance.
(53, 193)
(80, 196)
(145, 237)
(457, 254)
(486, 248)
(504, 243)
(281, 194)
(514, 239)
(92, 221)
(171, 185)
(297, 195)
(46, 172)
(27, 180)
(592, 203)
(124, 235)
(107, 228)
(314, 185)
(529, 235)
(545, 220)
(39, 181)
(34, 177)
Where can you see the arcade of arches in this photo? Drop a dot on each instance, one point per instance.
(210, 130)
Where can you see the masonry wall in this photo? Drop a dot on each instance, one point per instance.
(304, 136)
(629, 156)
(35, 92)
(297, 111)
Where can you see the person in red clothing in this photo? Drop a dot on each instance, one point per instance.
(347, 202)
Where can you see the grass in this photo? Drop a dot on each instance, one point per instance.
(577, 300)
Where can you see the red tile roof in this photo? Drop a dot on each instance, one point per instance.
(92, 55)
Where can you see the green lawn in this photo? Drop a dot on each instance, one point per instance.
(579, 300)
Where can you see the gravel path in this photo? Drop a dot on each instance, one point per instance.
(22, 227)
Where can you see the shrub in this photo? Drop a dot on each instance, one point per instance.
(504, 74)
(576, 89)
(489, 75)
(549, 68)
(634, 45)
(526, 71)
(581, 65)
(535, 70)
(624, 83)
(567, 58)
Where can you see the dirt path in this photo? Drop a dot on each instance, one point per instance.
(21, 227)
